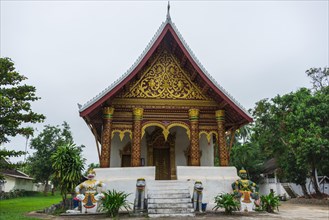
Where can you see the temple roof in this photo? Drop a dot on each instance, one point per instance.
(167, 26)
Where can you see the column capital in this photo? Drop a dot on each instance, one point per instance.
(220, 115)
(193, 114)
(138, 113)
(108, 112)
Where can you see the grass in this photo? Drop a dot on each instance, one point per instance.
(15, 209)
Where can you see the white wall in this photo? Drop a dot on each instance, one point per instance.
(24, 184)
(265, 188)
(181, 144)
(207, 158)
(124, 179)
(215, 179)
(10, 184)
(116, 146)
(17, 183)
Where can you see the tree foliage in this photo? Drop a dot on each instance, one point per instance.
(15, 109)
(45, 144)
(320, 77)
(68, 164)
(15, 102)
(246, 153)
(295, 129)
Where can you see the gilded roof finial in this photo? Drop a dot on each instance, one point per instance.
(168, 12)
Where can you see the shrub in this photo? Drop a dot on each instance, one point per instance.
(226, 201)
(15, 193)
(270, 202)
(113, 201)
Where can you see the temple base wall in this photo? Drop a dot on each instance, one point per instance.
(215, 180)
(124, 178)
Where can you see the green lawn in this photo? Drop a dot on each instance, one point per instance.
(15, 209)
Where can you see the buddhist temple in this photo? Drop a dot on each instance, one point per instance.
(165, 111)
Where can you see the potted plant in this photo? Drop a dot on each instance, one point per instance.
(113, 201)
(226, 201)
(270, 202)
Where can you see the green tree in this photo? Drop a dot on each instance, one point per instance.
(68, 164)
(246, 154)
(45, 144)
(320, 77)
(295, 123)
(15, 107)
(15, 103)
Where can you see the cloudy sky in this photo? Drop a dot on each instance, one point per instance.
(71, 51)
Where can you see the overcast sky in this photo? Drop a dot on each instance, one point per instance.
(71, 51)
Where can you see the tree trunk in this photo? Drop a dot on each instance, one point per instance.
(46, 188)
(315, 181)
(53, 191)
(304, 189)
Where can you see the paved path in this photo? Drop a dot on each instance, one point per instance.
(287, 211)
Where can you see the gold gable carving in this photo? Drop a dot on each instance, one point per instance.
(165, 79)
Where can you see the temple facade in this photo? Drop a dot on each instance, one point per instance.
(165, 111)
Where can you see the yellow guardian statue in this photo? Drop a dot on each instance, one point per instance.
(90, 197)
(246, 191)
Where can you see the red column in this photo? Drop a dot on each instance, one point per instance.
(222, 149)
(106, 137)
(136, 145)
(194, 148)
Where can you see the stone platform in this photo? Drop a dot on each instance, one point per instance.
(215, 179)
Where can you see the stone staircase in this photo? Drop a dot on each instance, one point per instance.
(289, 190)
(169, 198)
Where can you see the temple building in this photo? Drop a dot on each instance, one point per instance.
(165, 111)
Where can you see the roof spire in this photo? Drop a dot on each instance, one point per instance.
(168, 12)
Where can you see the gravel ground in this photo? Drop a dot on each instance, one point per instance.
(287, 210)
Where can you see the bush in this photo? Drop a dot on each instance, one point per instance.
(270, 202)
(15, 193)
(226, 201)
(113, 201)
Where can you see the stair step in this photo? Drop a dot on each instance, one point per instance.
(169, 190)
(289, 190)
(171, 215)
(168, 195)
(167, 183)
(169, 200)
(170, 211)
(169, 205)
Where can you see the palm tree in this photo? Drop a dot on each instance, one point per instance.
(68, 164)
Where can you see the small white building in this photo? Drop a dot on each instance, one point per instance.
(15, 179)
(271, 182)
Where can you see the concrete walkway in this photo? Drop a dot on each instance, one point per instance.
(286, 211)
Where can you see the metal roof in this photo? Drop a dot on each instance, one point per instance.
(141, 57)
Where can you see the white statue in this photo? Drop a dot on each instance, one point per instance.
(90, 198)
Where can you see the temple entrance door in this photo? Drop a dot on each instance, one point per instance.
(161, 154)
(161, 161)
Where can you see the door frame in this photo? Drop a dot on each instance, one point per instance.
(151, 140)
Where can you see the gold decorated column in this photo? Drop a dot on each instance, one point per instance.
(106, 137)
(137, 135)
(194, 148)
(222, 149)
